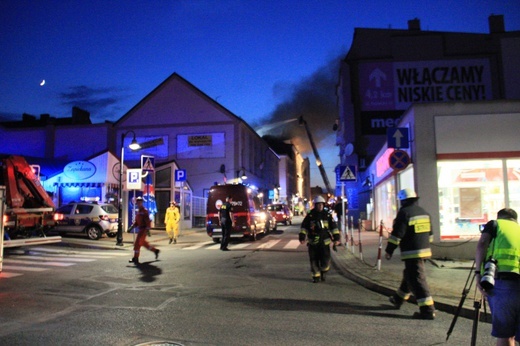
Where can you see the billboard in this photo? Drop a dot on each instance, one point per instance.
(387, 89)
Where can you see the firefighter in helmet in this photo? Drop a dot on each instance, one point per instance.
(412, 233)
(171, 221)
(319, 229)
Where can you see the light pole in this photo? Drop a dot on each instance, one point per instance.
(134, 146)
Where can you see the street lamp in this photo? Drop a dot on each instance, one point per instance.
(133, 146)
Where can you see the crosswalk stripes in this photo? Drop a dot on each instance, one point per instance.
(264, 244)
(40, 259)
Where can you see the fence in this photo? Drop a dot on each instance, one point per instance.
(199, 211)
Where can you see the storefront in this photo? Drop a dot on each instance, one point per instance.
(465, 166)
(85, 181)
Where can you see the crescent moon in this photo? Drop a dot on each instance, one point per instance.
(42, 83)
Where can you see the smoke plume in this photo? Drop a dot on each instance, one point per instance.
(313, 98)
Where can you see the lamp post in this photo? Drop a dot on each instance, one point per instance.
(134, 146)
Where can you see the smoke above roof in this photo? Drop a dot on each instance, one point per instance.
(313, 98)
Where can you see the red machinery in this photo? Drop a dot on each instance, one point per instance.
(29, 209)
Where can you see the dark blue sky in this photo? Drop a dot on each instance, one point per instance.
(249, 55)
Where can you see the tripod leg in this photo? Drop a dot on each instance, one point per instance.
(465, 292)
(477, 304)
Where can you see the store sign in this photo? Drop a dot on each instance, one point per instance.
(79, 170)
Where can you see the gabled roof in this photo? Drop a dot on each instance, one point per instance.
(200, 93)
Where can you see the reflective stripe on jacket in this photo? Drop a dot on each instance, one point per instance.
(319, 228)
(412, 232)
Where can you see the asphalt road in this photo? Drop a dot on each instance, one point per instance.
(259, 293)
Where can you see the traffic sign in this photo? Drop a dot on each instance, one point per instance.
(346, 173)
(133, 179)
(147, 163)
(180, 175)
(399, 160)
(397, 137)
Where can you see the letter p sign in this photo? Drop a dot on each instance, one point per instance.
(180, 175)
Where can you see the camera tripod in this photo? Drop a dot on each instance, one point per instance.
(477, 304)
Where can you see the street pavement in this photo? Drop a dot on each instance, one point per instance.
(362, 260)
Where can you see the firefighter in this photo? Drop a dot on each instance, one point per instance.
(171, 220)
(319, 229)
(227, 222)
(412, 233)
(142, 221)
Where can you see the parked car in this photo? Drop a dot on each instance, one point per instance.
(281, 213)
(270, 222)
(93, 219)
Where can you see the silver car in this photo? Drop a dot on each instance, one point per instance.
(93, 219)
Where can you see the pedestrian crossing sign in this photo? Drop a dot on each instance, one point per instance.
(147, 163)
(347, 173)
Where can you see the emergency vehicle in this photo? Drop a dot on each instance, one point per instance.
(29, 210)
(250, 220)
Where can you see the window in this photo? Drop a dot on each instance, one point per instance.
(470, 193)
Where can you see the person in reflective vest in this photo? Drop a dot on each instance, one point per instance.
(171, 220)
(499, 243)
(320, 230)
(142, 221)
(412, 233)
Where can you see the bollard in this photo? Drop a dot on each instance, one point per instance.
(379, 251)
(352, 234)
(360, 247)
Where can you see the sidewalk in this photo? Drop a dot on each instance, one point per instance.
(447, 279)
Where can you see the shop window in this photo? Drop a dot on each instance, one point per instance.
(470, 194)
(513, 177)
(386, 206)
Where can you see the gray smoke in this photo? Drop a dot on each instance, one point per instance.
(314, 98)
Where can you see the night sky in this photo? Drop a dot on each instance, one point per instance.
(256, 58)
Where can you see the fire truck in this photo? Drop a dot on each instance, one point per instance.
(28, 210)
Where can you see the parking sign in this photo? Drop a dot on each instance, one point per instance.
(133, 179)
(180, 175)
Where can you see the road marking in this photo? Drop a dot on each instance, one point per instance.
(269, 244)
(5, 275)
(49, 258)
(195, 247)
(101, 253)
(53, 264)
(292, 244)
(243, 245)
(23, 268)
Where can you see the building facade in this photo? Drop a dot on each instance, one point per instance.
(390, 74)
(178, 126)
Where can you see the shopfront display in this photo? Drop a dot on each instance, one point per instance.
(472, 191)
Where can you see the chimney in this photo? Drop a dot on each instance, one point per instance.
(80, 116)
(45, 118)
(414, 24)
(496, 24)
(28, 117)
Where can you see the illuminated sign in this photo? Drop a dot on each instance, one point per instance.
(383, 162)
(79, 170)
(388, 88)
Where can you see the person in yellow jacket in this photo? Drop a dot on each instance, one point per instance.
(499, 243)
(171, 220)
